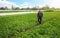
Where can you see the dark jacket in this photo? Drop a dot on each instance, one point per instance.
(40, 14)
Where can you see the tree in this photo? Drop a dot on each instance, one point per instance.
(2, 8)
(34, 8)
(46, 7)
(17, 8)
(6, 8)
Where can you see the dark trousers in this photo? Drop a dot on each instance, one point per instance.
(40, 20)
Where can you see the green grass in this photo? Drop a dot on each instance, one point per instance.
(8, 11)
(11, 26)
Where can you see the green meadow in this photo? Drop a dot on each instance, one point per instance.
(25, 26)
(9, 11)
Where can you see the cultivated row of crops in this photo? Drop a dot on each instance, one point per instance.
(50, 29)
(14, 26)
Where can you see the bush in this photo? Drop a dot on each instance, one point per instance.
(49, 10)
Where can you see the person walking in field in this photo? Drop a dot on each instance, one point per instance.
(40, 15)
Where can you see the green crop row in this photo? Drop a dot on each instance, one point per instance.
(12, 25)
(50, 29)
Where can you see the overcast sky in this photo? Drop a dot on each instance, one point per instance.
(30, 3)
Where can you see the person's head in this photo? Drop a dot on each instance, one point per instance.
(39, 11)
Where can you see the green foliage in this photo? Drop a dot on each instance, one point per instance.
(9, 11)
(49, 10)
(14, 26)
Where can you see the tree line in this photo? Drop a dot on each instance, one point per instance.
(33, 8)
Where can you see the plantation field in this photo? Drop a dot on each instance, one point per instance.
(25, 26)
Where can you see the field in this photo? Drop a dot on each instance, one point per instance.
(8, 11)
(25, 26)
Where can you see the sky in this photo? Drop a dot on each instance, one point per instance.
(30, 3)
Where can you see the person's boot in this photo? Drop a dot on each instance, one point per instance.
(40, 22)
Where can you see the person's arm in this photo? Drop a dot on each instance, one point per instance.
(42, 13)
(37, 14)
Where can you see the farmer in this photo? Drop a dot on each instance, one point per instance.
(40, 15)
